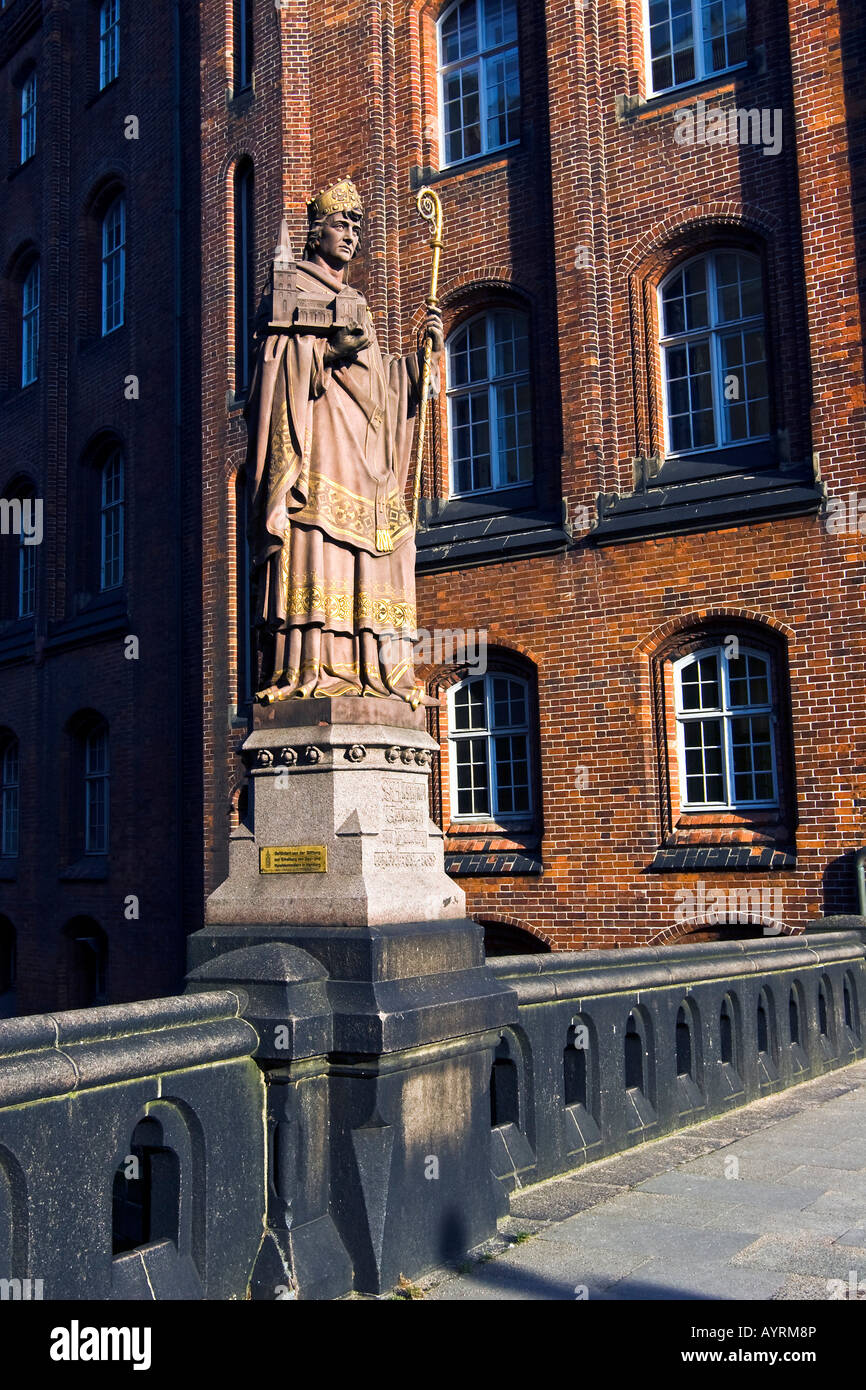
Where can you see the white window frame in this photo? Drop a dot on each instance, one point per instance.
(94, 776)
(26, 572)
(490, 383)
(726, 714)
(702, 73)
(109, 255)
(10, 793)
(713, 332)
(488, 734)
(479, 60)
(30, 296)
(28, 117)
(106, 509)
(109, 42)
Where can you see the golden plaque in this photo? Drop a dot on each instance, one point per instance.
(293, 859)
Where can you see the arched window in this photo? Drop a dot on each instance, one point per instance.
(725, 712)
(113, 265)
(22, 519)
(28, 117)
(96, 790)
(9, 796)
(244, 210)
(489, 744)
(109, 41)
(30, 325)
(714, 353)
(489, 403)
(691, 39)
(111, 521)
(85, 967)
(243, 35)
(479, 76)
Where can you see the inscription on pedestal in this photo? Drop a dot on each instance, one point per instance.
(395, 859)
(293, 859)
(404, 814)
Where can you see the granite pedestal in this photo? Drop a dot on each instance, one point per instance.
(377, 1030)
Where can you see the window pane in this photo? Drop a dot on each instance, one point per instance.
(702, 740)
(500, 22)
(509, 703)
(469, 710)
(752, 758)
(460, 33)
(699, 683)
(512, 774)
(470, 760)
(503, 99)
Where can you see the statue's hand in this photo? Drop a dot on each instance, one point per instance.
(344, 344)
(434, 331)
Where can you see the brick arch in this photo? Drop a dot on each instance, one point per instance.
(232, 158)
(440, 678)
(504, 919)
(695, 617)
(459, 293)
(665, 234)
(681, 930)
(232, 465)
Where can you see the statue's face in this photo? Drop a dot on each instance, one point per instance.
(339, 238)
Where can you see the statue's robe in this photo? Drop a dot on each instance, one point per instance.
(333, 549)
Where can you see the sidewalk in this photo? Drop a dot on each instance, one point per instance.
(768, 1202)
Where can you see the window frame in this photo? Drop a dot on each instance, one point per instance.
(712, 332)
(702, 74)
(479, 59)
(94, 777)
(488, 734)
(489, 383)
(27, 114)
(726, 713)
(26, 580)
(107, 256)
(10, 791)
(109, 43)
(118, 505)
(30, 325)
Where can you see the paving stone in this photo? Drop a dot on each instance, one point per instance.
(802, 1286)
(654, 1239)
(558, 1200)
(719, 1190)
(810, 1255)
(672, 1280)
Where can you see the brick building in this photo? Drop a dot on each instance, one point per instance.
(644, 478)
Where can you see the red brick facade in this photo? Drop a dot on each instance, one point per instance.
(575, 225)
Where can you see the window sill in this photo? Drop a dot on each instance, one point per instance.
(721, 858)
(105, 615)
(509, 863)
(463, 532)
(717, 83)
(17, 641)
(90, 867)
(97, 96)
(693, 504)
(419, 175)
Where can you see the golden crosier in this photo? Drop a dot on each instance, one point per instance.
(430, 208)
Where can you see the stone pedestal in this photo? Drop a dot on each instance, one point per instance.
(391, 1116)
(346, 780)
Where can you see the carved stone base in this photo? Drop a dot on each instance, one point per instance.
(345, 779)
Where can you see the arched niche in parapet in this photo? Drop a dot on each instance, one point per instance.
(581, 1084)
(512, 1114)
(797, 1025)
(826, 1019)
(689, 1058)
(851, 1011)
(730, 1040)
(767, 1035)
(639, 1070)
(13, 1218)
(157, 1203)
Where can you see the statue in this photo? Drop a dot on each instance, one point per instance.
(330, 422)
